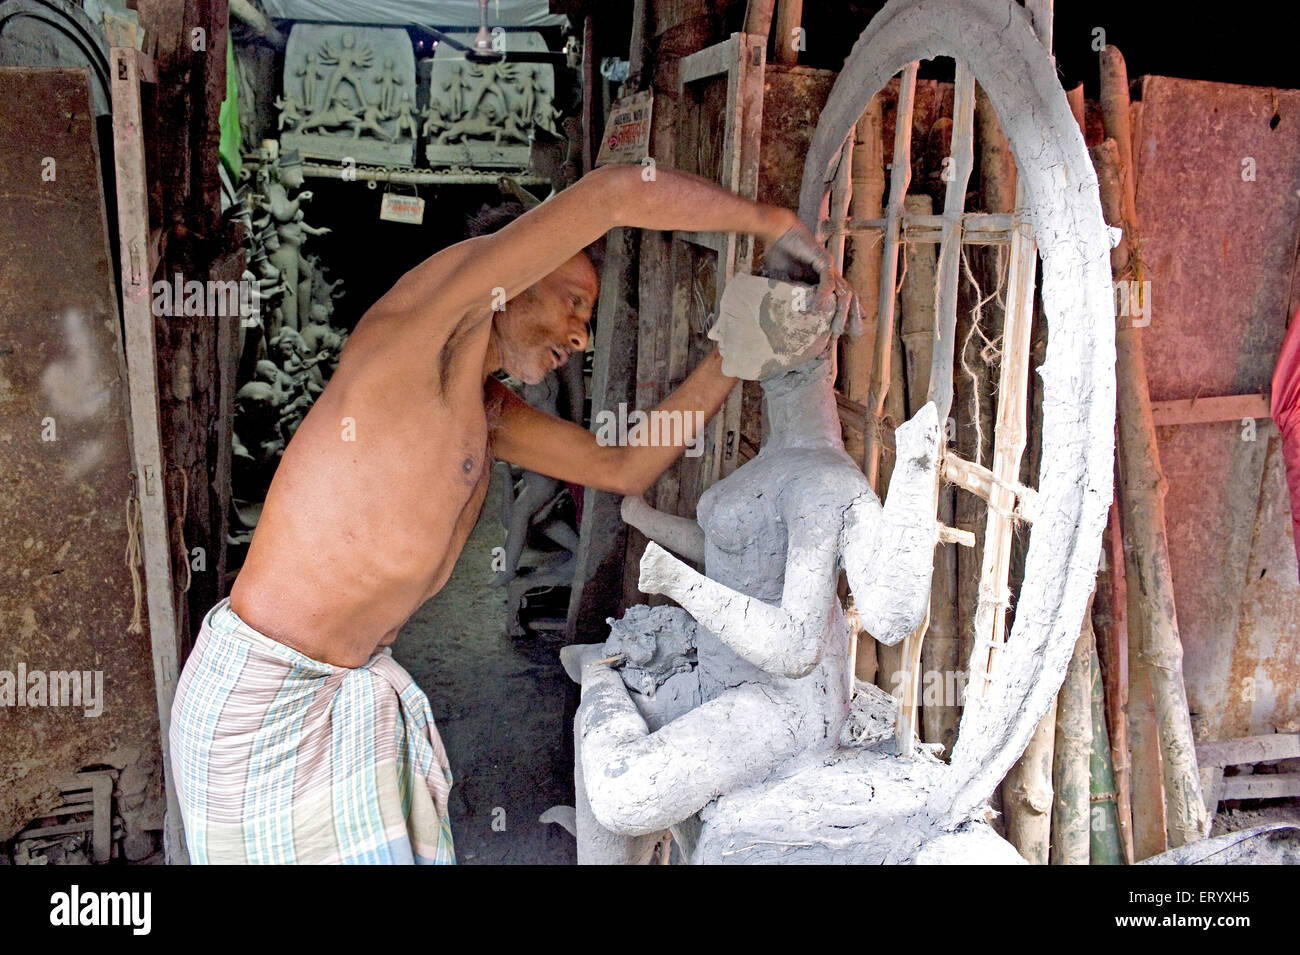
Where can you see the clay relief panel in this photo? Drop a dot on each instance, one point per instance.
(480, 114)
(349, 92)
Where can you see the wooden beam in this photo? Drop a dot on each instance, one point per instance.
(1272, 786)
(1208, 410)
(1248, 749)
(1010, 434)
(142, 384)
(710, 61)
(718, 242)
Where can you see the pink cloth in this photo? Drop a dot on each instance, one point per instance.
(1285, 410)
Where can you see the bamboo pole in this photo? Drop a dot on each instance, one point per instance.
(789, 14)
(886, 372)
(1148, 799)
(866, 195)
(1070, 769)
(939, 660)
(758, 17)
(893, 672)
(1104, 848)
(868, 191)
(1108, 624)
(1142, 489)
(1027, 794)
(1079, 107)
(899, 177)
(1115, 114)
(962, 154)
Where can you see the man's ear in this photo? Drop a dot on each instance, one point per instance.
(596, 254)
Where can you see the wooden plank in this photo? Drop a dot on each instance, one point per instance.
(711, 61)
(597, 588)
(1207, 410)
(102, 802)
(145, 68)
(228, 268)
(900, 175)
(740, 59)
(751, 70)
(746, 97)
(1273, 786)
(718, 242)
(1248, 749)
(142, 373)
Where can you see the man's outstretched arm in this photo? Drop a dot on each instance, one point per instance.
(463, 276)
(561, 449)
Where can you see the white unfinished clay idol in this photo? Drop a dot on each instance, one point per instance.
(766, 326)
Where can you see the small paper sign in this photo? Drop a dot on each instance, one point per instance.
(399, 208)
(627, 132)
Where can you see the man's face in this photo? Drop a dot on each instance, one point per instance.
(544, 324)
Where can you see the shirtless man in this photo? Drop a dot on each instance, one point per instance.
(384, 479)
(356, 534)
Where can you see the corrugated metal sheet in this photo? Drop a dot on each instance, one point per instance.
(1218, 174)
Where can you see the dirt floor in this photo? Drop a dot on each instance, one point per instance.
(499, 705)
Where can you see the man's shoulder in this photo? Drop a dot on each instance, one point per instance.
(443, 289)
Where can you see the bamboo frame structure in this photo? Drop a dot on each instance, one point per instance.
(949, 229)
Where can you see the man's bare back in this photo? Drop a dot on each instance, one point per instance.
(385, 477)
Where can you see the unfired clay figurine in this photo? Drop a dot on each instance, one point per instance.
(772, 681)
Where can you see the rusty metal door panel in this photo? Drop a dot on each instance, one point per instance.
(66, 596)
(1218, 175)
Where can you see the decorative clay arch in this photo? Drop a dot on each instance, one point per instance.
(996, 40)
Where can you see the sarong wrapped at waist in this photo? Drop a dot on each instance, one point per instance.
(279, 758)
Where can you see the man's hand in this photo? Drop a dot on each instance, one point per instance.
(797, 245)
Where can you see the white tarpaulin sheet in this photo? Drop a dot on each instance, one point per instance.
(433, 13)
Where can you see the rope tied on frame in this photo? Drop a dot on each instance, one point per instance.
(132, 558)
